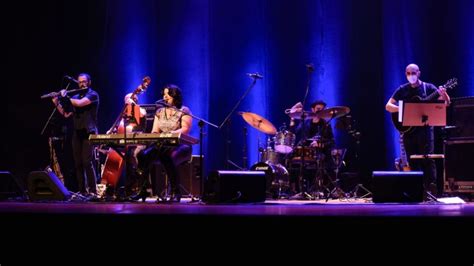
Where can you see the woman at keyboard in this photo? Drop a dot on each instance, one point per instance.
(171, 117)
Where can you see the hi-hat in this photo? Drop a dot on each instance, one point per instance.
(259, 123)
(333, 112)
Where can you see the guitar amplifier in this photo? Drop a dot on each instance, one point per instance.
(460, 116)
(458, 166)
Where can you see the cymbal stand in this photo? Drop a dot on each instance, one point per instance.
(302, 182)
(337, 159)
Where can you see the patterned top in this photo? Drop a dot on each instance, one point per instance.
(167, 123)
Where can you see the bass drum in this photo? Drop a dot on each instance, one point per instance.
(277, 178)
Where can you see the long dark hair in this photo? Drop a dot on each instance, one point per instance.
(175, 92)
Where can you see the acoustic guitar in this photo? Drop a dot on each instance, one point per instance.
(406, 129)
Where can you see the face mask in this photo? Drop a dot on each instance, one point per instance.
(412, 79)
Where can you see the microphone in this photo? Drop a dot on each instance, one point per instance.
(310, 67)
(255, 75)
(162, 102)
(72, 79)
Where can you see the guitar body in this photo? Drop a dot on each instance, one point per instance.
(398, 125)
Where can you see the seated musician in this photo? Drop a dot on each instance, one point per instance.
(318, 132)
(112, 173)
(134, 126)
(173, 117)
(130, 100)
(318, 138)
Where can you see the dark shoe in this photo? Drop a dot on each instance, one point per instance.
(142, 194)
(175, 198)
(92, 197)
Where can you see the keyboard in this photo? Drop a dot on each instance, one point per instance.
(143, 139)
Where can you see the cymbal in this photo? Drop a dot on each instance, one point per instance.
(299, 114)
(259, 123)
(333, 112)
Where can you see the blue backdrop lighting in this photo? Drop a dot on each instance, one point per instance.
(359, 50)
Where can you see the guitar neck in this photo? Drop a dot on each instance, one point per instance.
(432, 96)
(403, 155)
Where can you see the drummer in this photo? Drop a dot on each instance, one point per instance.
(318, 132)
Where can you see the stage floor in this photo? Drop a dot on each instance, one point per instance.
(273, 208)
(279, 220)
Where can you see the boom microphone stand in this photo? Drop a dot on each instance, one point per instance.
(201, 136)
(302, 182)
(254, 76)
(54, 110)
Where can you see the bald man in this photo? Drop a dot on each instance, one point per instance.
(419, 140)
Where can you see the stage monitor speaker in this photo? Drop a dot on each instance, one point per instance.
(11, 187)
(45, 185)
(235, 187)
(394, 186)
(458, 162)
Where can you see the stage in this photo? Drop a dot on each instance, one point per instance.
(284, 225)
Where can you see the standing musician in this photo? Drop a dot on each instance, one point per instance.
(421, 139)
(173, 117)
(83, 106)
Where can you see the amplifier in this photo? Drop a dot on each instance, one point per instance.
(460, 117)
(458, 165)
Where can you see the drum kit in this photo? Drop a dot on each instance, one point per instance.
(282, 153)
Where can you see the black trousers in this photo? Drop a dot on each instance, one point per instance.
(421, 141)
(169, 156)
(83, 161)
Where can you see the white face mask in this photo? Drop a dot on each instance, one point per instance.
(412, 79)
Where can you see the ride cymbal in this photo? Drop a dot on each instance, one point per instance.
(259, 123)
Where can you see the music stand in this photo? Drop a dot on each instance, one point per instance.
(423, 114)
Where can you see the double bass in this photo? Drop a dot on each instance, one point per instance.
(114, 162)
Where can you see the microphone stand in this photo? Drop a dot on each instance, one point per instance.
(227, 121)
(201, 137)
(303, 194)
(52, 113)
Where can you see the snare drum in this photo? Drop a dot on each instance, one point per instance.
(269, 155)
(284, 142)
(310, 154)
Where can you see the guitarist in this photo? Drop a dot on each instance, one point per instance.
(420, 140)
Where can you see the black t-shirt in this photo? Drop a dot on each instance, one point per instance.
(406, 92)
(86, 117)
(322, 129)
